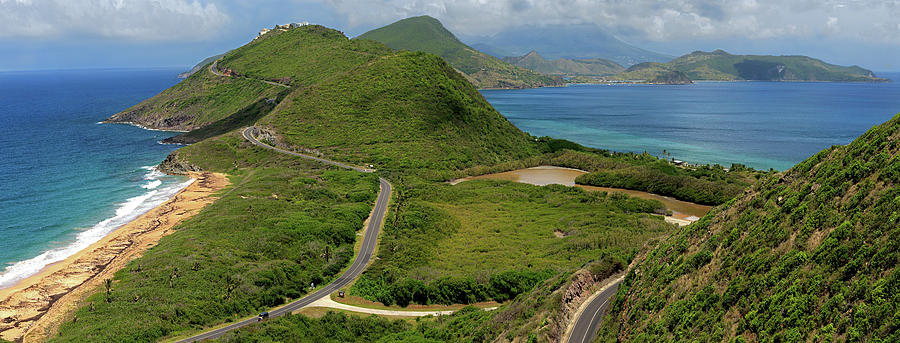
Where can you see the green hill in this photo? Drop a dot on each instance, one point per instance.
(565, 66)
(652, 72)
(722, 66)
(809, 255)
(427, 34)
(196, 102)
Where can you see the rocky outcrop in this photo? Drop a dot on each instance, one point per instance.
(179, 121)
(174, 165)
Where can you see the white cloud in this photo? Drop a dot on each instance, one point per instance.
(126, 19)
(867, 20)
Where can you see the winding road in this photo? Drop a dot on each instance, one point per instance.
(213, 68)
(585, 328)
(362, 258)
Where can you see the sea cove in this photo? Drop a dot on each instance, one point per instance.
(760, 124)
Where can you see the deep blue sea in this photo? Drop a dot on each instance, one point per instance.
(760, 124)
(65, 180)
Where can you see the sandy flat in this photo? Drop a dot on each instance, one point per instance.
(35, 306)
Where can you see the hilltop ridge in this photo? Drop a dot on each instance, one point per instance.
(427, 34)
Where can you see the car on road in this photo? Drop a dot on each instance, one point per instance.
(264, 315)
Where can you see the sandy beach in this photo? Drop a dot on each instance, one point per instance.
(33, 308)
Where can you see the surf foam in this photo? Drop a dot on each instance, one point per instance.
(125, 212)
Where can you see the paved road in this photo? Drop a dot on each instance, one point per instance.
(213, 68)
(362, 259)
(586, 325)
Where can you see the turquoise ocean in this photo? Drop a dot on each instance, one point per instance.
(65, 180)
(760, 124)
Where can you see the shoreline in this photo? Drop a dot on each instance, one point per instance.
(34, 306)
(140, 126)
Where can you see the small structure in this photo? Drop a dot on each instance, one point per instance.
(341, 294)
(296, 25)
(263, 31)
(678, 162)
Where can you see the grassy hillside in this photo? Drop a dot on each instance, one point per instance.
(491, 240)
(285, 223)
(301, 56)
(720, 65)
(427, 34)
(565, 66)
(195, 102)
(808, 255)
(404, 111)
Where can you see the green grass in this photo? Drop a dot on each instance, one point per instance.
(248, 251)
(427, 34)
(407, 112)
(810, 255)
(197, 101)
(474, 232)
(307, 55)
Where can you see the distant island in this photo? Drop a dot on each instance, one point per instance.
(719, 65)
(427, 34)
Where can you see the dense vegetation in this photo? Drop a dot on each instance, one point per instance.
(491, 240)
(707, 185)
(808, 255)
(720, 65)
(285, 223)
(537, 316)
(565, 66)
(427, 34)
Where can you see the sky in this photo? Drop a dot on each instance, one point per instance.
(66, 34)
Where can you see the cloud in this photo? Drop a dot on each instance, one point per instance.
(651, 20)
(152, 20)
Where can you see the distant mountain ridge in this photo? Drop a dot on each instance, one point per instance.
(427, 34)
(565, 66)
(721, 66)
(564, 41)
(199, 66)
